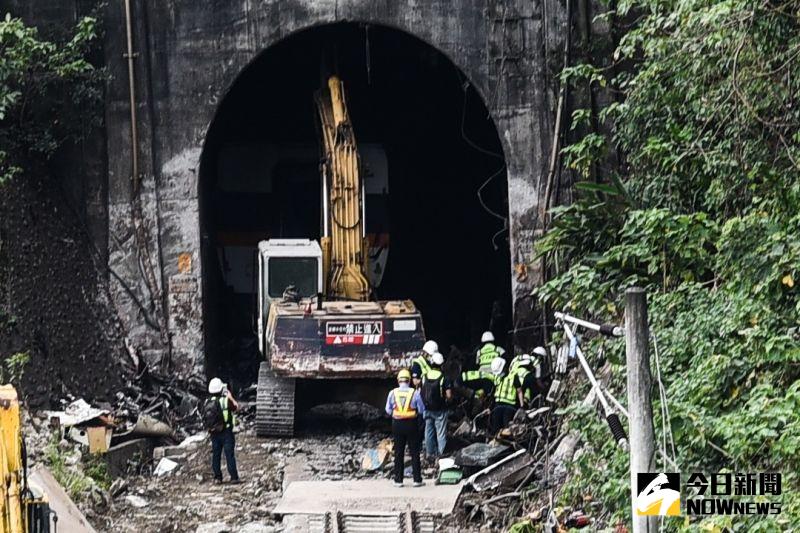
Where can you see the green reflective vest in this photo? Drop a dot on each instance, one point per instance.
(487, 354)
(521, 373)
(227, 415)
(506, 393)
(432, 375)
(423, 363)
(473, 375)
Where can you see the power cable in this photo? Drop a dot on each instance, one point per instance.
(465, 87)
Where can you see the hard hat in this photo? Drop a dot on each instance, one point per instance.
(437, 358)
(497, 365)
(539, 350)
(215, 386)
(404, 375)
(487, 336)
(430, 347)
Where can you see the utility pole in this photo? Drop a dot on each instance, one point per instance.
(640, 407)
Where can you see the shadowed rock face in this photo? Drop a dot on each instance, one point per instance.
(189, 57)
(52, 301)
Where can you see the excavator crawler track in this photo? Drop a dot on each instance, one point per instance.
(274, 404)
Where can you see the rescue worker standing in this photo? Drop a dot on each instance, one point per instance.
(488, 352)
(419, 367)
(223, 439)
(404, 405)
(421, 364)
(533, 384)
(507, 398)
(437, 391)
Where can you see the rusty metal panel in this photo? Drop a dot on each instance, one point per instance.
(302, 346)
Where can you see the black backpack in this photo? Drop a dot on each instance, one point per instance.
(432, 394)
(213, 419)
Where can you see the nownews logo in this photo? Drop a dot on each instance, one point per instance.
(660, 493)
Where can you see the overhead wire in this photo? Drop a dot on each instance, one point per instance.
(475, 146)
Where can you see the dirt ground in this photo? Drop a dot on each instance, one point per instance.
(330, 445)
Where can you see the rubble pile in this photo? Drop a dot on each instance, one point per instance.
(158, 477)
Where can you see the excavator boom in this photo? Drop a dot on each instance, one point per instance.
(347, 334)
(343, 199)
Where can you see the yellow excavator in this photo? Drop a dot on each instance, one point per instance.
(317, 317)
(23, 507)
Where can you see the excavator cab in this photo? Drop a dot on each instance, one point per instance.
(286, 264)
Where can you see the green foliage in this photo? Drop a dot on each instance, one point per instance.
(13, 368)
(96, 468)
(73, 481)
(49, 92)
(705, 213)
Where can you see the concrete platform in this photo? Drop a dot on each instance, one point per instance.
(367, 497)
(69, 516)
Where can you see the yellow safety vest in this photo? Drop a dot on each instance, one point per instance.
(402, 404)
(423, 363)
(227, 416)
(472, 375)
(521, 373)
(487, 354)
(507, 393)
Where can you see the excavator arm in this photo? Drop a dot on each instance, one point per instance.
(343, 246)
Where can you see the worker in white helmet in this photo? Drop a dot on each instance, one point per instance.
(437, 392)
(533, 383)
(219, 420)
(487, 352)
(421, 364)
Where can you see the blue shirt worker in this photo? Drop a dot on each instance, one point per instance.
(404, 405)
(223, 439)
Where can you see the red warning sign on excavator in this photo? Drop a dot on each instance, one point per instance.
(354, 332)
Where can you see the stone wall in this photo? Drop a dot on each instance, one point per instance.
(187, 56)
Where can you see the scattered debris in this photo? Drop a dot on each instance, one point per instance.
(126, 457)
(136, 501)
(193, 441)
(449, 473)
(377, 458)
(481, 454)
(164, 466)
(513, 468)
(118, 486)
(78, 413)
(213, 527)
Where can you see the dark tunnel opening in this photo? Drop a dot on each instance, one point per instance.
(427, 144)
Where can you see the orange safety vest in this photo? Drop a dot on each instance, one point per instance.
(402, 404)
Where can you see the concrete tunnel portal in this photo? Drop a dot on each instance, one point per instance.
(428, 145)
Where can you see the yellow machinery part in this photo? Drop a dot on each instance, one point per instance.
(13, 519)
(346, 279)
(325, 244)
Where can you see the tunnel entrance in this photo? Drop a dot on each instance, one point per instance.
(435, 178)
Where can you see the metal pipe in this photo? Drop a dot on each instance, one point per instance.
(605, 329)
(588, 371)
(326, 201)
(132, 93)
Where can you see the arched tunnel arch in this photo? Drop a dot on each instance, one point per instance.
(428, 144)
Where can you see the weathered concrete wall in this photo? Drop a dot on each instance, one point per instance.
(188, 55)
